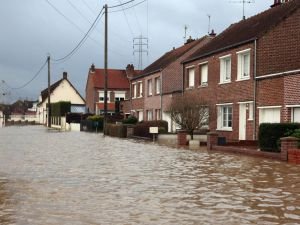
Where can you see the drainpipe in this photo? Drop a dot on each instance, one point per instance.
(161, 94)
(254, 91)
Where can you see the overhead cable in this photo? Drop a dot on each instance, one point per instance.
(81, 41)
(128, 7)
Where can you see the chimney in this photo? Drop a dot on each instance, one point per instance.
(65, 75)
(130, 70)
(189, 40)
(92, 69)
(212, 33)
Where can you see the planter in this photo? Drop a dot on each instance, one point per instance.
(194, 144)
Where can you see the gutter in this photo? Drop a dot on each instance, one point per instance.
(277, 74)
(146, 74)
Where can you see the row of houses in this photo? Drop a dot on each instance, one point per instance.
(250, 73)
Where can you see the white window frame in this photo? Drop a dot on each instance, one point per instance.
(225, 69)
(204, 74)
(140, 83)
(157, 85)
(243, 70)
(134, 87)
(149, 115)
(223, 108)
(191, 77)
(149, 87)
(261, 108)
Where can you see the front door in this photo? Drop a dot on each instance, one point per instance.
(242, 121)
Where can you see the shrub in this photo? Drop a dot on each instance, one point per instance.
(115, 130)
(142, 129)
(270, 133)
(130, 120)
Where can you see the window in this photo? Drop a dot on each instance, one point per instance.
(149, 87)
(251, 110)
(225, 117)
(204, 74)
(118, 99)
(269, 114)
(140, 89)
(244, 65)
(149, 115)
(191, 78)
(134, 86)
(157, 114)
(157, 85)
(225, 69)
(101, 96)
(140, 116)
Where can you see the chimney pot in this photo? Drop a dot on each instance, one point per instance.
(212, 33)
(92, 68)
(65, 75)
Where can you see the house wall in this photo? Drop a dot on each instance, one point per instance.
(152, 102)
(233, 92)
(90, 93)
(279, 49)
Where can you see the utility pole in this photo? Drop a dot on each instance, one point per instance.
(49, 106)
(140, 42)
(105, 67)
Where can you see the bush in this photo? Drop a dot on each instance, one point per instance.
(130, 120)
(115, 130)
(142, 129)
(270, 133)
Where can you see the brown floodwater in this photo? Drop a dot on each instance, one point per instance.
(50, 177)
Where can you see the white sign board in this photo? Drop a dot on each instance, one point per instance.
(153, 130)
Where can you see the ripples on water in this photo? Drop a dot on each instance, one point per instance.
(49, 177)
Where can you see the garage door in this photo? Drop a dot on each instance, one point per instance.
(296, 116)
(270, 115)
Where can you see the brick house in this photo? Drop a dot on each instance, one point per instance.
(153, 88)
(117, 90)
(250, 72)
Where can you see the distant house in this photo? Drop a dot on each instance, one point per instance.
(62, 90)
(251, 72)
(153, 88)
(2, 119)
(117, 89)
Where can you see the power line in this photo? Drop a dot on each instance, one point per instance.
(125, 3)
(82, 40)
(28, 82)
(131, 31)
(128, 7)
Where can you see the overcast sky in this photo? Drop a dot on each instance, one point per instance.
(32, 29)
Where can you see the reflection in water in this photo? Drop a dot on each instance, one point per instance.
(80, 178)
(6, 203)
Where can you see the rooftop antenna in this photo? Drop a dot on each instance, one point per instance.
(243, 2)
(185, 31)
(208, 23)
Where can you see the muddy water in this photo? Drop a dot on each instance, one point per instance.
(49, 177)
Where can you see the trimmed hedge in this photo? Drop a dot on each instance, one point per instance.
(130, 120)
(116, 130)
(60, 108)
(142, 129)
(270, 133)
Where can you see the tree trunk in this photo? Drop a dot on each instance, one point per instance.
(192, 134)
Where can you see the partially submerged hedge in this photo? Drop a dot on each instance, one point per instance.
(142, 129)
(270, 133)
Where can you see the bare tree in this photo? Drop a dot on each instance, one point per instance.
(190, 111)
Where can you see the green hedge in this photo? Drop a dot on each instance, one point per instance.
(270, 133)
(130, 120)
(116, 130)
(60, 108)
(142, 129)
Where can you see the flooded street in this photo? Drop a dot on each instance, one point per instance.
(49, 177)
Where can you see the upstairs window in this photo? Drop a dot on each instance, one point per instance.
(203, 74)
(140, 89)
(157, 85)
(149, 115)
(244, 65)
(225, 69)
(149, 85)
(191, 77)
(134, 86)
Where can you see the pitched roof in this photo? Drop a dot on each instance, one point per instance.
(170, 57)
(44, 93)
(117, 79)
(247, 30)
